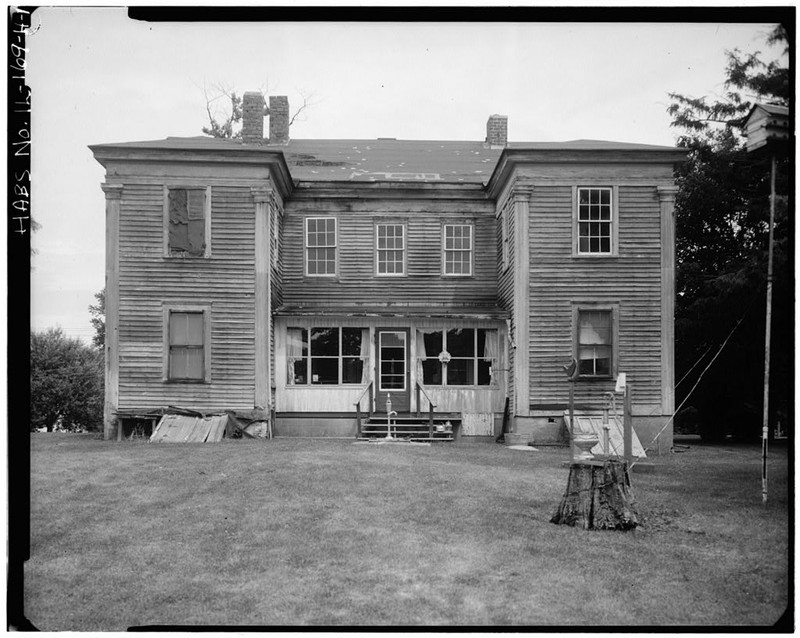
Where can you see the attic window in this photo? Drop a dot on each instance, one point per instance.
(188, 221)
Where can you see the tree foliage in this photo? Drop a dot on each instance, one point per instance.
(98, 320)
(66, 382)
(722, 213)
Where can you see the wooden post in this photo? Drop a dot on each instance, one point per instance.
(628, 427)
(358, 420)
(571, 419)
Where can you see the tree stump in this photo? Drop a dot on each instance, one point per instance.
(597, 497)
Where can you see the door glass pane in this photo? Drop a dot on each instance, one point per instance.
(392, 360)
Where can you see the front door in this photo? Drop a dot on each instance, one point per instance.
(391, 369)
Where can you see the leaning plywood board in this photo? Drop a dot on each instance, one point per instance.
(593, 424)
(178, 428)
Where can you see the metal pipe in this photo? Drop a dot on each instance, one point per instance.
(767, 336)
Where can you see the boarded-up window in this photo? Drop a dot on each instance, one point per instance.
(595, 219)
(457, 249)
(187, 221)
(595, 343)
(321, 246)
(186, 346)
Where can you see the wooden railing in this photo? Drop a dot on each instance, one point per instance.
(368, 390)
(431, 406)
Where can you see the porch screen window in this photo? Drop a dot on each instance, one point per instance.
(457, 249)
(594, 343)
(187, 221)
(327, 356)
(391, 249)
(459, 356)
(595, 220)
(186, 346)
(321, 246)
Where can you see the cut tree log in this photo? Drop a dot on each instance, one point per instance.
(598, 497)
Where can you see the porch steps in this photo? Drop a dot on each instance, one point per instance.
(409, 427)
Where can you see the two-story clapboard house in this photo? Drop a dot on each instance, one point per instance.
(314, 280)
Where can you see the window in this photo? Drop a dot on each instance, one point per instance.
(391, 249)
(188, 221)
(459, 356)
(321, 246)
(595, 221)
(458, 249)
(595, 343)
(186, 340)
(327, 356)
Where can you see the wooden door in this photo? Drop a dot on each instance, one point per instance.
(392, 369)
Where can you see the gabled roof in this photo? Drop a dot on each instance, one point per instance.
(384, 159)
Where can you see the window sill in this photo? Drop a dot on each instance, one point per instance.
(187, 381)
(597, 256)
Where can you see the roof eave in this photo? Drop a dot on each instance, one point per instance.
(512, 157)
(272, 156)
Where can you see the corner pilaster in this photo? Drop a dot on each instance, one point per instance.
(111, 402)
(263, 298)
(666, 196)
(522, 192)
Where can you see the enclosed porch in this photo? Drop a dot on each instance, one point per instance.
(343, 374)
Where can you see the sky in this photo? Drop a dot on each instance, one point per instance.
(97, 77)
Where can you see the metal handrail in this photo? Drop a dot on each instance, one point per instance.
(368, 389)
(431, 407)
(421, 389)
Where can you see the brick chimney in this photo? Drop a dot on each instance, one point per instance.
(253, 111)
(497, 130)
(278, 119)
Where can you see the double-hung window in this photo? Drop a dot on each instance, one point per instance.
(595, 342)
(320, 246)
(595, 221)
(186, 337)
(390, 244)
(457, 250)
(327, 356)
(188, 221)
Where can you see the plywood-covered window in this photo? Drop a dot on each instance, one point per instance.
(327, 356)
(457, 249)
(458, 356)
(187, 212)
(390, 242)
(595, 221)
(320, 246)
(595, 342)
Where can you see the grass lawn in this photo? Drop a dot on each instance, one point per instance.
(328, 532)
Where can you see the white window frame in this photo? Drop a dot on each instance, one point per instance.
(470, 250)
(206, 212)
(335, 246)
(205, 310)
(613, 222)
(495, 361)
(340, 357)
(378, 249)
